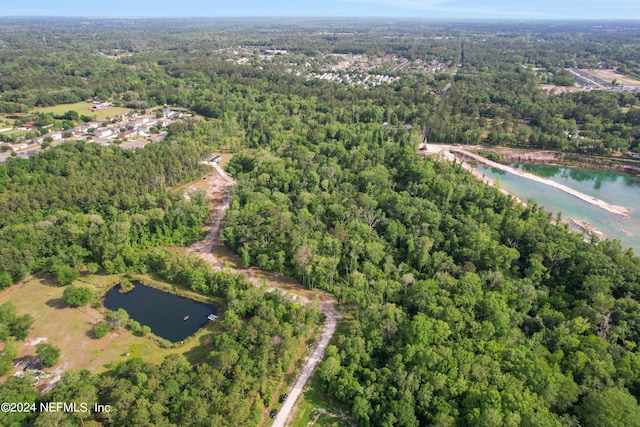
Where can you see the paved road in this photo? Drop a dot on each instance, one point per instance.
(221, 184)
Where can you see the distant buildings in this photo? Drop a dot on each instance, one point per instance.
(133, 130)
(97, 106)
(103, 132)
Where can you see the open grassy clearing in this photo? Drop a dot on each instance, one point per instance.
(71, 329)
(83, 108)
(14, 133)
(226, 158)
(610, 75)
(7, 120)
(315, 409)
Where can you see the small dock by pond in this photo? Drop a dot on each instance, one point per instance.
(169, 316)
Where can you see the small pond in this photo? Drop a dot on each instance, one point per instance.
(169, 316)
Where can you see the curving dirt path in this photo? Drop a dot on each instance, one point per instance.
(219, 185)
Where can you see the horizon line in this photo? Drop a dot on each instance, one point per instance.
(309, 17)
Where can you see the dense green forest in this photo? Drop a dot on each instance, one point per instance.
(495, 98)
(83, 203)
(13, 328)
(461, 306)
(468, 309)
(260, 335)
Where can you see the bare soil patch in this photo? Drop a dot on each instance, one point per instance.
(557, 90)
(211, 249)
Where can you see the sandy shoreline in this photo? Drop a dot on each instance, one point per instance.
(458, 152)
(579, 226)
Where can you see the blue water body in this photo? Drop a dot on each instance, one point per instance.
(162, 311)
(612, 187)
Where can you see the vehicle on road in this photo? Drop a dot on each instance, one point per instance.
(283, 397)
(273, 413)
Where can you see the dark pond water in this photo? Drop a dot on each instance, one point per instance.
(163, 312)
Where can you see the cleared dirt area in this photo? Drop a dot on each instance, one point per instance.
(557, 90)
(610, 75)
(219, 185)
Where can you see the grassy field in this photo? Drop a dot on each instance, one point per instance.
(610, 75)
(314, 409)
(626, 109)
(71, 329)
(83, 108)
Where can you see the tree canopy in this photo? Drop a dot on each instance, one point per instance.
(462, 306)
(76, 296)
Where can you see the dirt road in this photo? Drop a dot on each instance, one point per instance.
(310, 364)
(219, 185)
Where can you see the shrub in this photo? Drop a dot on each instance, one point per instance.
(126, 286)
(93, 267)
(101, 329)
(76, 296)
(65, 274)
(48, 354)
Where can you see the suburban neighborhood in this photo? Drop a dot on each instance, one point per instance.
(129, 131)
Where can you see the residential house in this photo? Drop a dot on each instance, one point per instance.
(55, 136)
(103, 132)
(94, 125)
(80, 129)
(132, 144)
(168, 113)
(128, 134)
(159, 137)
(163, 122)
(26, 126)
(101, 106)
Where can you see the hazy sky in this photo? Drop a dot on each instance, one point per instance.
(502, 9)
